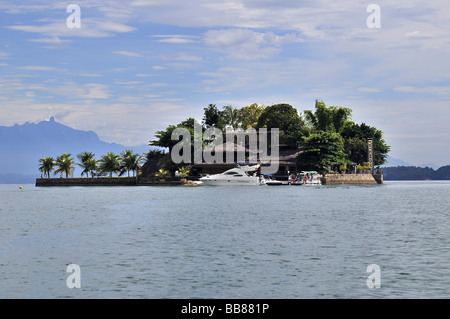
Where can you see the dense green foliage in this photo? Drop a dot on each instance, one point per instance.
(321, 151)
(249, 115)
(326, 137)
(164, 138)
(354, 136)
(327, 119)
(213, 117)
(355, 143)
(286, 118)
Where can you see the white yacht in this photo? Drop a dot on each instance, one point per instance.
(239, 175)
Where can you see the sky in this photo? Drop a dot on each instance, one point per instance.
(134, 67)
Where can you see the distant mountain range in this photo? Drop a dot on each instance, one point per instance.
(22, 146)
(395, 162)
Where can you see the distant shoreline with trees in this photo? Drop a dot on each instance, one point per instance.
(414, 173)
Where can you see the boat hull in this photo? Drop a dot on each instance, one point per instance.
(273, 183)
(229, 182)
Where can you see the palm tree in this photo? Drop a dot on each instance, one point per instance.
(47, 164)
(130, 161)
(231, 116)
(332, 118)
(65, 164)
(88, 163)
(110, 163)
(84, 156)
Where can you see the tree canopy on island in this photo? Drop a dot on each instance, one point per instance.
(286, 118)
(355, 143)
(354, 137)
(327, 119)
(325, 137)
(164, 138)
(321, 150)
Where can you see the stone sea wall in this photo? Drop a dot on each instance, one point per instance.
(336, 179)
(105, 181)
(328, 179)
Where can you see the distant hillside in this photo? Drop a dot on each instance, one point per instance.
(22, 146)
(404, 173)
(394, 162)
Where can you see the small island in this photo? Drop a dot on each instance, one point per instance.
(325, 140)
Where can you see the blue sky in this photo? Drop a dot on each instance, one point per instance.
(135, 67)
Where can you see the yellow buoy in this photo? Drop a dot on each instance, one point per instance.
(20, 187)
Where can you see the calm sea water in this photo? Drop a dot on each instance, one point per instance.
(226, 242)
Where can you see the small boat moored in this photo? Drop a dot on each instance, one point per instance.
(305, 178)
(268, 179)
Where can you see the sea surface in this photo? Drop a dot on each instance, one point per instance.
(288, 242)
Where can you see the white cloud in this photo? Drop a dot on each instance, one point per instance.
(369, 90)
(247, 44)
(14, 8)
(181, 56)
(74, 91)
(405, 89)
(176, 39)
(129, 53)
(128, 82)
(37, 68)
(53, 40)
(443, 91)
(130, 99)
(91, 75)
(4, 55)
(95, 91)
(90, 28)
(146, 3)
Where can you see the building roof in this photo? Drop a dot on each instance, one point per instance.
(227, 147)
(286, 156)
